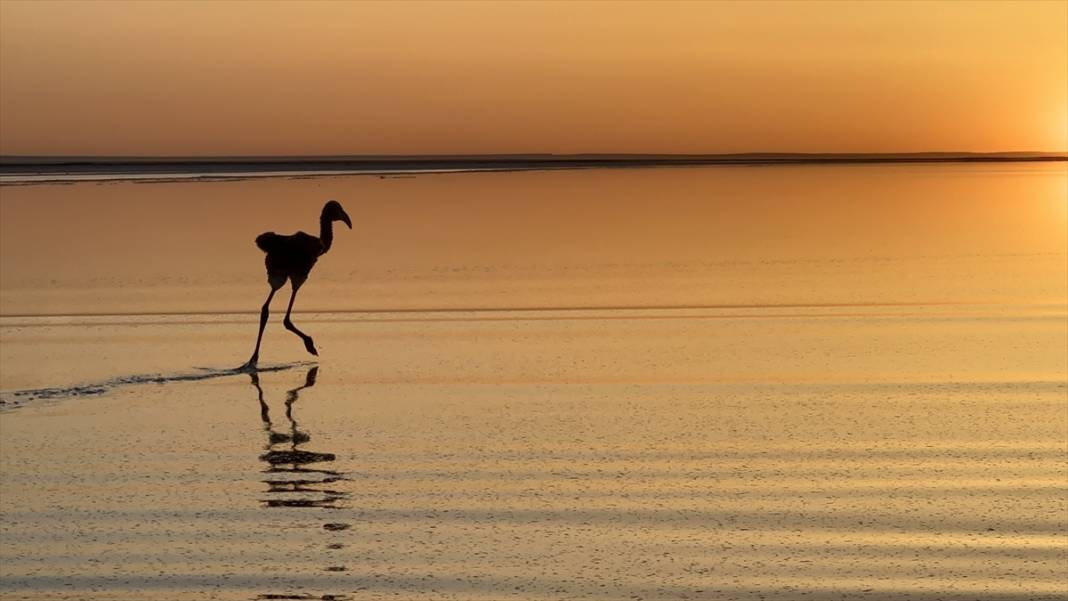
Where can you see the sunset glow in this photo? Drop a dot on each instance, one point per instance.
(306, 78)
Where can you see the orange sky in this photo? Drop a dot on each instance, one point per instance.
(187, 78)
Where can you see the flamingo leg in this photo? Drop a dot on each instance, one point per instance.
(308, 343)
(264, 312)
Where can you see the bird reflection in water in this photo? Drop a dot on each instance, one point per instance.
(293, 480)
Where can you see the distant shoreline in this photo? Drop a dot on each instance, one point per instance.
(38, 169)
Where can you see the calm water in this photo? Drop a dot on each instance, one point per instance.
(646, 237)
(712, 383)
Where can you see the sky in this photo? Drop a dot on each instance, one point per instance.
(349, 78)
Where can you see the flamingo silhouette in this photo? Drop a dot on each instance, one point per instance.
(292, 257)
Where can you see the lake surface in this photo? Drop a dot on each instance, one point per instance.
(739, 236)
(686, 383)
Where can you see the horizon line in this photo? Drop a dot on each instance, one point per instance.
(547, 156)
(37, 167)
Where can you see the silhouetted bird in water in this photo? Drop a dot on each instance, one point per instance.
(292, 257)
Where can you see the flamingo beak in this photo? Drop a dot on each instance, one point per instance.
(345, 217)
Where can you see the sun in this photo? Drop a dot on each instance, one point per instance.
(1059, 131)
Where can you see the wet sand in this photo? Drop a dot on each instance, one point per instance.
(828, 453)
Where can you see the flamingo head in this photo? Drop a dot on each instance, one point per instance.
(333, 212)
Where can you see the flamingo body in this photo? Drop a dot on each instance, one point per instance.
(289, 257)
(292, 258)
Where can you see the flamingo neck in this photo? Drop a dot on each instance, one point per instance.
(326, 232)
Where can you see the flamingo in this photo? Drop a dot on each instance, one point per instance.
(292, 257)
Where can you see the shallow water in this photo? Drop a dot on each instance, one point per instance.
(880, 416)
(545, 456)
(692, 237)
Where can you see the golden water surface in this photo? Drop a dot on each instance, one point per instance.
(712, 383)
